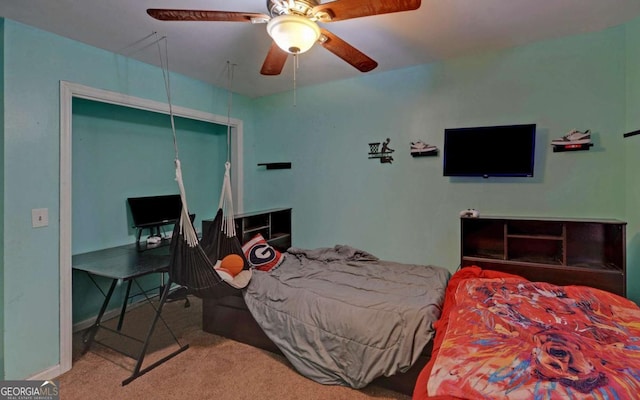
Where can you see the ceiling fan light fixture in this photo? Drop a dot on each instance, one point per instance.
(294, 34)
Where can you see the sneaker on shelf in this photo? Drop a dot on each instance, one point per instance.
(574, 137)
(421, 147)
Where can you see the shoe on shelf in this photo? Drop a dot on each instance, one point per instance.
(422, 147)
(574, 137)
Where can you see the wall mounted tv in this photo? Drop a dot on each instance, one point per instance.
(507, 150)
(154, 211)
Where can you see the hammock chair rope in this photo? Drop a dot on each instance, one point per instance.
(188, 230)
(226, 197)
(194, 262)
(226, 203)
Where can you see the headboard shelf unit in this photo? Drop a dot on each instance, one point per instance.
(273, 224)
(589, 252)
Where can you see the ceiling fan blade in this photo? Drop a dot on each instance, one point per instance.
(344, 50)
(346, 9)
(203, 15)
(275, 60)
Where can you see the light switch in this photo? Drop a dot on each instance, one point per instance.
(39, 217)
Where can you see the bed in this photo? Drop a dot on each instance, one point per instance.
(339, 315)
(503, 337)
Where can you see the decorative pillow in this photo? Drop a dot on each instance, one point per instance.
(260, 254)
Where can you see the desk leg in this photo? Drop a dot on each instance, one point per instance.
(91, 332)
(138, 371)
(124, 305)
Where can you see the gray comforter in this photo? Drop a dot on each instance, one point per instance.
(341, 316)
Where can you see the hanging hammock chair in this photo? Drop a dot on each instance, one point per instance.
(195, 264)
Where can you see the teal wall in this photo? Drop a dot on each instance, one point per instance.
(132, 151)
(632, 158)
(2, 171)
(406, 211)
(34, 63)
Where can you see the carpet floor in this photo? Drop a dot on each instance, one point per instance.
(211, 368)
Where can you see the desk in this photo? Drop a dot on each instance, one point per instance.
(126, 264)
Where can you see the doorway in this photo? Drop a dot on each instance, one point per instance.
(69, 91)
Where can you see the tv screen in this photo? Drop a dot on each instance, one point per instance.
(155, 210)
(507, 150)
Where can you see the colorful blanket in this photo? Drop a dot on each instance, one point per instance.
(513, 339)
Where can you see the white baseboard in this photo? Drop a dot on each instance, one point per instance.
(48, 374)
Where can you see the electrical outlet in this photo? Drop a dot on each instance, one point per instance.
(39, 217)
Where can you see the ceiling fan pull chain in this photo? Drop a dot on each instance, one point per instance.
(295, 67)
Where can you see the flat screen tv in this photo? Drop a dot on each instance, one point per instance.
(153, 211)
(507, 150)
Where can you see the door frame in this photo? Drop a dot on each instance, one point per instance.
(69, 91)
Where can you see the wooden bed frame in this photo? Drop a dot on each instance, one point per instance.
(228, 316)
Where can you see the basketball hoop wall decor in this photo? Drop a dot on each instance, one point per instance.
(382, 153)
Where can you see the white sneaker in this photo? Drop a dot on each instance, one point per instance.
(422, 147)
(574, 137)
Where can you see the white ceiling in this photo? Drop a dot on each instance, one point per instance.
(439, 29)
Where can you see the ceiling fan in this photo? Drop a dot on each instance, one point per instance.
(292, 24)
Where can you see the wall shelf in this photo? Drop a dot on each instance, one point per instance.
(276, 165)
(571, 147)
(425, 154)
(631, 133)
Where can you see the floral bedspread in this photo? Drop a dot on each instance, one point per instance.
(509, 339)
